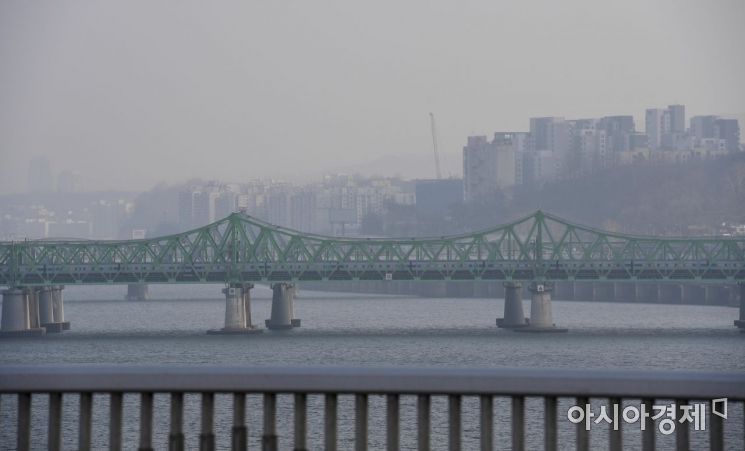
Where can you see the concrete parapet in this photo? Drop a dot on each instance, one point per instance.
(283, 307)
(513, 307)
(541, 316)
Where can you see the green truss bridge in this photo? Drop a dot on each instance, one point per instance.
(237, 250)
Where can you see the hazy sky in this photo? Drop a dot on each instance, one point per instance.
(131, 93)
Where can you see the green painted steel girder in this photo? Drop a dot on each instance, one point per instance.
(240, 248)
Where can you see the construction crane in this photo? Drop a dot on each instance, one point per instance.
(434, 145)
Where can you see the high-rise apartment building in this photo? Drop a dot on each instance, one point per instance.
(729, 131)
(657, 123)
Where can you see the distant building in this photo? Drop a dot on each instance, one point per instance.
(618, 130)
(677, 118)
(434, 197)
(656, 122)
(702, 127)
(67, 182)
(729, 131)
(479, 169)
(540, 167)
(40, 178)
(492, 166)
(665, 128)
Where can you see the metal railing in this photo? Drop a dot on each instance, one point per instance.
(331, 382)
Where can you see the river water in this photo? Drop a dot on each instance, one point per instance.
(363, 330)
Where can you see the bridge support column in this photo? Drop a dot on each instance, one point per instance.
(741, 322)
(58, 309)
(51, 311)
(137, 292)
(16, 318)
(513, 307)
(237, 311)
(283, 307)
(32, 299)
(541, 316)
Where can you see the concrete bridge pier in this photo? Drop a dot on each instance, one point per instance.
(283, 307)
(237, 311)
(514, 316)
(741, 322)
(58, 307)
(137, 292)
(16, 315)
(32, 300)
(51, 309)
(541, 316)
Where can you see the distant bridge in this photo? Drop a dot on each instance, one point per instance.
(238, 250)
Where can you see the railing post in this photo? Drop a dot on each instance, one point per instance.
(301, 408)
(648, 442)
(54, 434)
(360, 422)
(392, 423)
(423, 422)
(207, 435)
(329, 422)
(583, 435)
(682, 436)
(454, 422)
(84, 430)
(239, 439)
(24, 422)
(146, 421)
(176, 434)
(716, 430)
(269, 437)
(487, 422)
(549, 423)
(115, 421)
(518, 423)
(615, 434)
